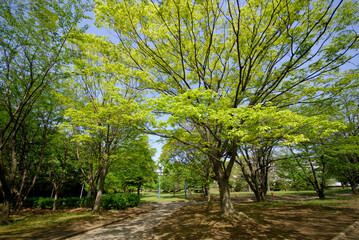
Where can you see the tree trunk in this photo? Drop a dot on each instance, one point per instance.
(227, 209)
(97, 204)
(263, 195)
(320, 193)
(5, 187)
(353, 187)
(55, 199)
(222, 176)
(5, 213)
(208, 193)
(138, 190)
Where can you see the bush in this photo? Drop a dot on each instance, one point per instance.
(110, 201)
(62, 203)
(86, 202)
(120, 201)
(30, 202)
(43, 203)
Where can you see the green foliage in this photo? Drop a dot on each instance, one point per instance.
(43, 203)
(63, 203)
(133, 166)
(224, 73)
(120, 201)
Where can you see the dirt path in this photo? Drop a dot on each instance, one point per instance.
(138, 228)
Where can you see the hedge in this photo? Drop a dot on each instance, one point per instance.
(62, 203)
(110, 201)
(120, 201)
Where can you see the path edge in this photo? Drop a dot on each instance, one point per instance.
(95, 227)
(347, 231)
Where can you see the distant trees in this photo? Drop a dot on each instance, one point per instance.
(343, 147)
(134, 166)
(102, 110)
(188, 165)
(32, 52)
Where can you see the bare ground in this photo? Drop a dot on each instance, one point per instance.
(275, 220)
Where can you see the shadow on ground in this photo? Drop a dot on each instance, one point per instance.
(275, 220)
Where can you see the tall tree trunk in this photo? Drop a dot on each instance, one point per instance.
(5, 213)
(97, 203)
(138, 190)
(222, 176)
(103, 173)
(208, 193)
(55, 198)
(227, 209)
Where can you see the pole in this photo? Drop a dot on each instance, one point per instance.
(159, 180)
(244, 187)
(82, 189)
(159, 185)
(185, 184)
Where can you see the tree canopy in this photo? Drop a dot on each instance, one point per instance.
(224, 82)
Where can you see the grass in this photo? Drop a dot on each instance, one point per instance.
(30, 220)
(180, 196)
(165, 197)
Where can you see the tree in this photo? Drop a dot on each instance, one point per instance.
(344, 149)
(196, 165)
(33, 50)
(135, 166)
(314, 165)
(173, 176)
(61, 163)
(101, 108)
(220, 59)
(255, 168)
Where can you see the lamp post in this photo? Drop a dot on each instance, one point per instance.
(185, 184)
(159, 180)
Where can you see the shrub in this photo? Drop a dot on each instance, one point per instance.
(43, 203)
(62, 203)
(120, 201)
(110, 201)
(86, 202)
(30, 202)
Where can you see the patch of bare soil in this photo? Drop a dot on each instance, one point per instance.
(274, 220)
(56, 231)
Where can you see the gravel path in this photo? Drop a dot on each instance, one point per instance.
(137, 228)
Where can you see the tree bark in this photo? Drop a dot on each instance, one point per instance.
(55, 198)
(227, 208)
(353, 187)
(320, 193)
(208, 193)
(4, 218)
(5, 213)
(138, 190)
(103, 173)
(97, 204)
(222, 176)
